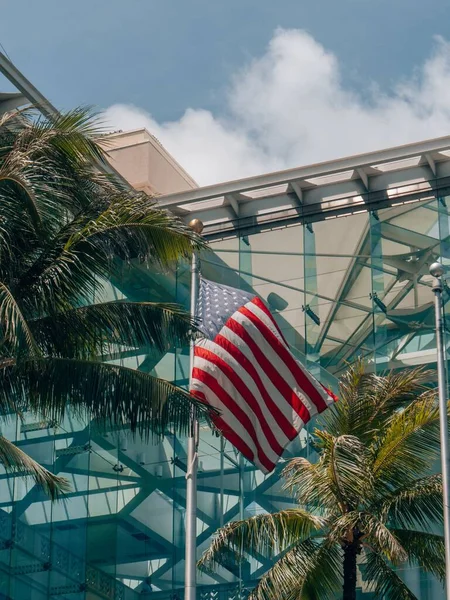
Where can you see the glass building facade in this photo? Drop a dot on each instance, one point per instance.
(340, 288)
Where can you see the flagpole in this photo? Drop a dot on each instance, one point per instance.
(190, 569)
(437, 270)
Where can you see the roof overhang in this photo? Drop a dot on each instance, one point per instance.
(11, 100)
(368, 181)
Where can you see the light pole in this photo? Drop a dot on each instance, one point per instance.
(190, 579)
(437, 270)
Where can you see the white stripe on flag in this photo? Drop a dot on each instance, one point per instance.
(232, 391)
(278, 398)
(276, 360)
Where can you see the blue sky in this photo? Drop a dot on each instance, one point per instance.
(167, 56)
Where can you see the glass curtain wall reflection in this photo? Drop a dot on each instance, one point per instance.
(340, 289)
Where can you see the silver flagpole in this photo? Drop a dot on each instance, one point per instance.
(190, 578)
(437, 270)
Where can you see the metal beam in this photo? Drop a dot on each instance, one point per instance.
(310, 171)
(233, 202)
(297, 289)
(12, 73)
(364, 178)
(406, 237)
(296, 187)
(431, 163)
(365, 329)
(104, 475)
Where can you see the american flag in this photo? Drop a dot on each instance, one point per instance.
(244, 368)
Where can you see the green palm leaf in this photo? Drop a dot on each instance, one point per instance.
(8, 177)
(155, 232)
(417, 504)
(111, 394)
(100, 329)
(424, 549)
(372, 530)
(73, 135)
(366, 400)
(367, 483)
(409, 443)
(346, 461)
(17, 335)
(310, 570)
(384, 581)
(267, 534)
(65, 230)
(310, 483)
(15, 460)
(324, 578)
(75, 264)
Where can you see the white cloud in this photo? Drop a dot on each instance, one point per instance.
(290, 107)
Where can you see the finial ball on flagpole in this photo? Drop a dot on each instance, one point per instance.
(196, 225)
(437, 269)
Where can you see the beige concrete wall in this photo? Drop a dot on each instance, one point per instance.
(145, 163)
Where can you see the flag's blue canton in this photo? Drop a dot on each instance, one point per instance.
(216, 304)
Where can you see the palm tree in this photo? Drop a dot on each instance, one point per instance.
(368, 499)
(66, 229)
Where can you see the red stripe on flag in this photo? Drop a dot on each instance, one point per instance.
(243, 391)
(258, 302)
(229, 433)
(228, 401)
(330, 393)
(302, 380)
(237, 441)
(285, 390)
(284, 424)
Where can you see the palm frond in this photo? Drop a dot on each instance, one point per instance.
(409, 444)
(418, 504)
(111, 394)
(384, 581)
(267, 534)
(366, 400)
(72, 134)
(347, 414)
(16, 332)
(425, 549)
(310, 483)
(64, 229)
(39, 183)
(16, 461)
(309, 571)
(346, 461)
(396, 389)
(370, 529)
(342, 475)
(99, 329)
(85, 254)
(16, 179)
(155, 232)
(324, 578)
(368, 482)
(15, 119)
(49, 165)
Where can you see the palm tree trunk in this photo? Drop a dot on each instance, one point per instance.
(349, 587)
